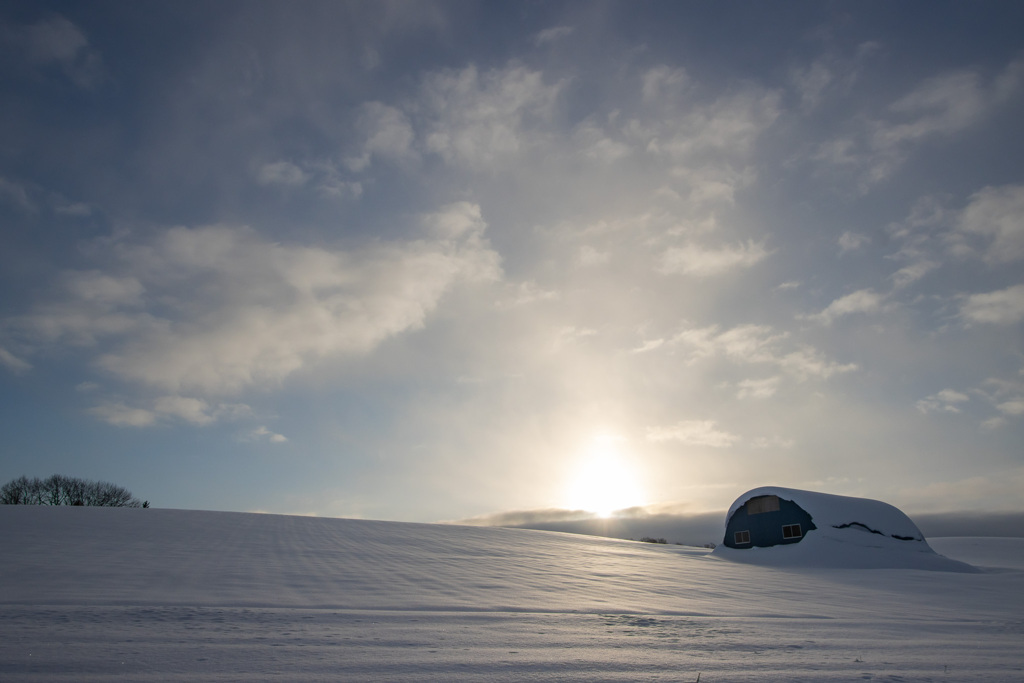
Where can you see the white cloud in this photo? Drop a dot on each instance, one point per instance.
(808, 362)
(910, 274)
(225, 309)
(387, 134)
(852, 241)
(1003, 307)
(66, 208)
(663, 82)
(944, 401)
(810, 82)
(262, 432)
(759, 344)
(476, 119)
(192, 410)
(648, 345)
(121, 415)
(704, 261)
(861, 301)
(1012, 407)
(941, 105)
(694, 433)
(777, 442)
(757, 388)
(553, 34)
(598, 145)
(996, 214)
(281, 173)
(525, 293)
(13, 363)
(589, 256)
(727, 126)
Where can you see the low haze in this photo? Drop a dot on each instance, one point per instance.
(515, 263)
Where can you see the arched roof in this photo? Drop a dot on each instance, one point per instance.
(830, 510)
(851, 533)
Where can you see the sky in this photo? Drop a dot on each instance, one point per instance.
(465, 260)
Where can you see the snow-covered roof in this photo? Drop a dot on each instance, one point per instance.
(851, 532)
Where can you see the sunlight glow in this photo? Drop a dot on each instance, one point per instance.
(605, 480)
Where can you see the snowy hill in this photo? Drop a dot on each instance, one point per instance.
(98, 594)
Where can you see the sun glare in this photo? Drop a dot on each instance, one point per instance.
(605, 481)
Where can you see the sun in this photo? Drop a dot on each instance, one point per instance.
(605, 480)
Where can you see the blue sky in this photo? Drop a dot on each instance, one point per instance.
(427, 262)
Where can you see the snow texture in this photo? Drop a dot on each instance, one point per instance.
(93, 594)
(851, 532)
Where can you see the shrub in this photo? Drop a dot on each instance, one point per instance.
(648, 539)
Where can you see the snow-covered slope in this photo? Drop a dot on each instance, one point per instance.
(98, 594)
(850, 533)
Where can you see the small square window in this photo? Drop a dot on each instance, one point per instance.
(741, 537)
(791, 531)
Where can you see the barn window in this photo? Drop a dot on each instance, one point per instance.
(791, 531)
(756, 506)
(741, 537)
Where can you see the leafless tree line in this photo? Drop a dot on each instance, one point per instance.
(61, 490)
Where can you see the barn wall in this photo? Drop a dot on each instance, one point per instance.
(766, 528)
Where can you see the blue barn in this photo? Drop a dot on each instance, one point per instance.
(767, 520)
(784, 527)
(771, 515)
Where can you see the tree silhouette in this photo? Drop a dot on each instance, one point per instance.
(61, 490)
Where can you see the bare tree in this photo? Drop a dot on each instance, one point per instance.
(61, 490)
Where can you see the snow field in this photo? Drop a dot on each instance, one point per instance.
(89, 594)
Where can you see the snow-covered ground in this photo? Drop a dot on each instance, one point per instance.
(168, 595)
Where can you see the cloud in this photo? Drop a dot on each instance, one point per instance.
(726, 127)
(945, 401)
(13, 363)
(852, 241)
(475, 119)
(776, 442)
(121, 415)
(705, 262)
(758, 344)
(16, 194)
(56, 40)
(1013, 407)
(589, 256)
(663, 82)
(281, 173)
(387, 135)
(757, 388)
(553, 34)
(861, 301)
(526, 518)
(191, 410)
(217, 309)
(1003, 307)
(996, 214)
(810, 82)
(164, 409)
(262, 432)
(907, 275)
(941, 106)
(693, 433)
